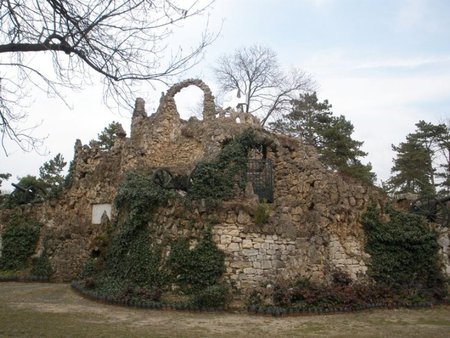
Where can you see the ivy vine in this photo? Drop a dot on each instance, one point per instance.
(197, 268)
(216, 180)
(404, 253)
(19, 239)
(132, 265)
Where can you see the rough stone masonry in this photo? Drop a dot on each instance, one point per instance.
(314, 224)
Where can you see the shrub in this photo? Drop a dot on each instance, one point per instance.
(19, 240)
(255, 298)
(213, 296)
(40, 267)
(199, 268)
(404, 253)
(262, 213)
(282, 294)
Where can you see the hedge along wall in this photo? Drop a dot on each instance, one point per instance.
(404, 253)
(19, 239)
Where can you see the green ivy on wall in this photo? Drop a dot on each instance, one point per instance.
(197, 268)
(19, 239)
(131, 260)
(132, 265)
(216, 180)
(404, 253)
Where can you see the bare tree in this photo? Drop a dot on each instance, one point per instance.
(124, 41)
(255, 73)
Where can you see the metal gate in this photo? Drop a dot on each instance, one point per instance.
(259, 172)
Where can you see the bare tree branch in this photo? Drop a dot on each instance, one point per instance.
(255, 73)
(123, 40)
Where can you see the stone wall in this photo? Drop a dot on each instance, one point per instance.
(315, 219)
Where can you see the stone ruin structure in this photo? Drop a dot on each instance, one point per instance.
(315, 214)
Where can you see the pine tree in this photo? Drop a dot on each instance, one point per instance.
(50, 174)
(109, 135)
(411, 169)
(314, 123)
(422, 163)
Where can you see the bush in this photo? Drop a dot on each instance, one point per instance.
(196, 269)
(19, 239)
(40, 267)
(214, 296)
(262, 213)
(404, 253)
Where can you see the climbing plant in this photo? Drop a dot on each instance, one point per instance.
(132, 259)
(404, 253)
(19, 239)
(133, 265)
(216, 180)
(197, 268)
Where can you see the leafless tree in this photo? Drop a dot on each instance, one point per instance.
(255, 73)
(125, 41)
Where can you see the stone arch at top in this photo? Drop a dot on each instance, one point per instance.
(208, 98)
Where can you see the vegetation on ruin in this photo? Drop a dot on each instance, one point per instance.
(197, 268)
(262, 213)
(217, 180)
(313, 123)
(132, 267)
(404, 270)
(197, 271)
(404, 254)
(422, 162)
(19, 240)
(31, 189)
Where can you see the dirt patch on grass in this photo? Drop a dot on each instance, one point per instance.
(48, 310)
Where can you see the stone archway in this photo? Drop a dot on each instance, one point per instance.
(209, 107)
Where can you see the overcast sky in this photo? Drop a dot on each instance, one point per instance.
(383, 64)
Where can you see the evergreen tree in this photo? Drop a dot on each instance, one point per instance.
(314, 123)
(422, 163)
(50, 174)
(109, 135)
(411, 169)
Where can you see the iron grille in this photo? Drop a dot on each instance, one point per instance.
(259, 172)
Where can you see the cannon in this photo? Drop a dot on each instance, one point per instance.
(28, 194)
(434, 209)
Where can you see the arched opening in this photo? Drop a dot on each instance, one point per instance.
(189, 101)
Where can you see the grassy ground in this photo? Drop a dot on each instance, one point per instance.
(54, 310)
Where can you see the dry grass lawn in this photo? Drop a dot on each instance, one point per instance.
(54, 310)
